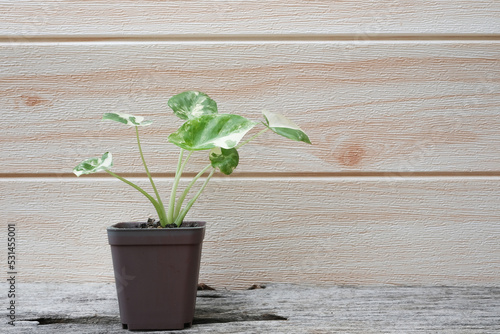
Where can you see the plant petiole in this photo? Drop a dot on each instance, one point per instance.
(151, 199)
(181, 199)
(178, 173)
(180, 218)
(161, 212)
(252, 138)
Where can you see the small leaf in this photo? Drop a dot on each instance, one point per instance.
(285, 127)
(127, 119)
(94, 165)
(209, 131)
(192, 104)
(225, 160)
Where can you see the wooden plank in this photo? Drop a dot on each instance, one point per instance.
(369, 107)
(362, 20)
(420, 230)
(279, 309)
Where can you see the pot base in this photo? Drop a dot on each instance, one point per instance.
(156, 327)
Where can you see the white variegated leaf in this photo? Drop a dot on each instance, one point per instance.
(285, 127)
(225, 160)
(192, 104)
(94, 165)
(209, 131)
(126, 119)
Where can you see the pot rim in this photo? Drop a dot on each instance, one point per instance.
(134, 226)
(155, 236)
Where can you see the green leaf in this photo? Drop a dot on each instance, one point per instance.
(94, 165)
(225, 160)
(285, 127)
(192, 104)
(127, 119)
(209, 131)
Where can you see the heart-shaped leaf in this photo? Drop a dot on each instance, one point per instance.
(127, 119)
(285, 127)
(225, 160)
(192, 104)
(94, 165)
(209, 131)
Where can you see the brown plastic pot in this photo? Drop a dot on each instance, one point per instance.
(156, 274)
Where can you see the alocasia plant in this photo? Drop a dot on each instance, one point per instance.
(204, 129)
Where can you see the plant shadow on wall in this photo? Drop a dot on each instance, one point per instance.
(162, 258)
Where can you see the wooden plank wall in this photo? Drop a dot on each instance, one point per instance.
(401, 100)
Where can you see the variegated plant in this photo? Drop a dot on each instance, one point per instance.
(204, 129)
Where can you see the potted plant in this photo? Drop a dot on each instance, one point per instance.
(156, 264)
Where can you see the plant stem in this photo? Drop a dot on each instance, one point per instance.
(161, 214)
(178, 174)
(170, 214)
(181, 199)
(184, 212)
(151, 199)
(252, 138)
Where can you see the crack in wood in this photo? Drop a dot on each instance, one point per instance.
(237, 318)
(210, 296)
(95, 320)
(104, 320)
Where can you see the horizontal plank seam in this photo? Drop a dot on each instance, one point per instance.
(359, 37)
(475, 174)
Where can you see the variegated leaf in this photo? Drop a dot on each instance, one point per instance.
(192, 104)
(94, 165)
(225, 160)
(127, 119)
(285, 127)
(209, 131)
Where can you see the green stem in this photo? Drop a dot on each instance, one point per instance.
(181, 199)
(184, 212)
(161, 213)
(151, 199)
(178, 174)
(252, 138)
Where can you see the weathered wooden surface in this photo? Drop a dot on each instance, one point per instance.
(372, 230)
(236, 18)
(278, 308)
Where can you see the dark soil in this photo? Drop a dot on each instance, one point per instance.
(155, 223)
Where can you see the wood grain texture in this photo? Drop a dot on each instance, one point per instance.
(24, 19)
(278, 309)
(368, 107)
(421, 230)
(403, 96)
